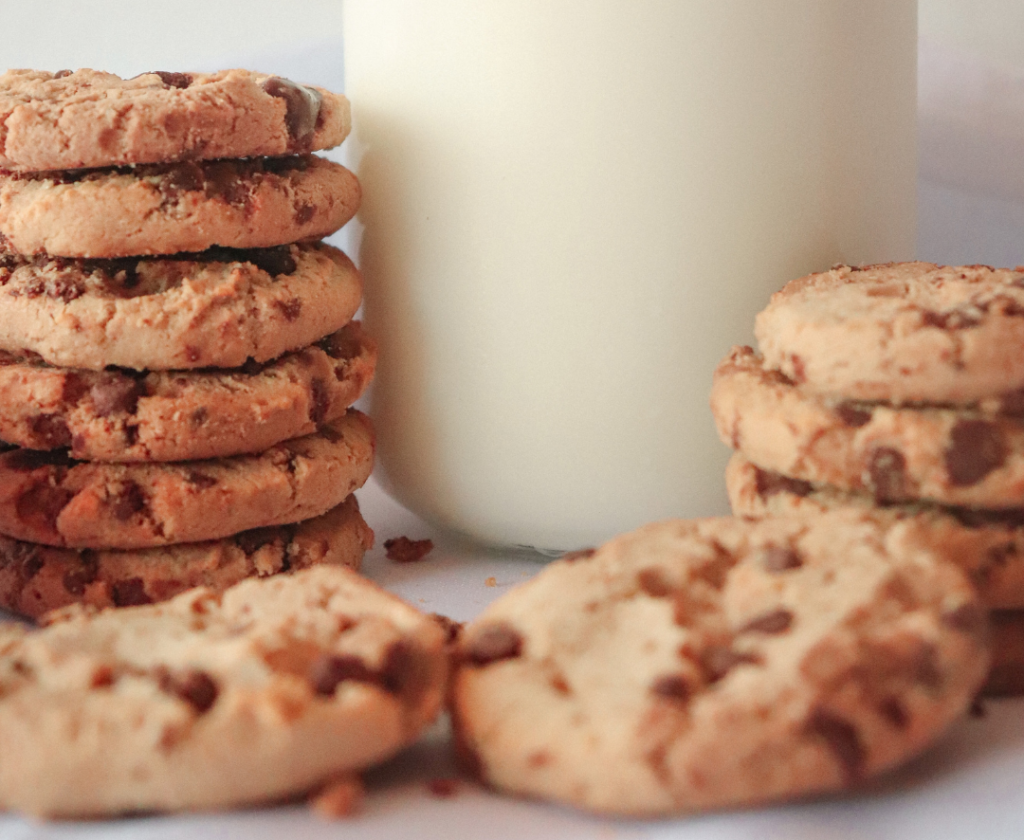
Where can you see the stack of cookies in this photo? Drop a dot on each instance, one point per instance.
(177, 356)
(897, 389)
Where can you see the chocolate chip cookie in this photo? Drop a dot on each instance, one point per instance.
(169, 208)
(902, 333)
(121, 415)
(47, 498)
(964, 457)
(71, 120)
(718, 663)
(211, 701)
(987, 545)
(213, 309)
(35, 579)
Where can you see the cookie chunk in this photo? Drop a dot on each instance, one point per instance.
(987, 545)
(964, 457)
(35, 579)
(214, 309)
(902, 333)
(169, 208)
(46, 498)
(212, 701)
(717, 663)
(117, 415)
(88, 118)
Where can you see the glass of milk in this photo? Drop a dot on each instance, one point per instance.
(573, 208)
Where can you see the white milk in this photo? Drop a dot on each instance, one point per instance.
(573, 208)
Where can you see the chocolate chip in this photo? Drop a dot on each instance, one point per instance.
(718, 660)
(769, 484)
(253, 540)
(181, 178)
(319, 401)
(842, 739)
(127, 501)
(1012, 403)
(715, 571)
(200, 480)
(195, 687)
(62, 287)
(772, 623)
(330, 434)
(340, 345)
(966, 618)
(60, 74)
(652, 582)
(291, 309)
(51, 430)
(251, 367)
(493, 643)
(328, 671)
(954, 320)
(173, 80)
(304, 214)
(302, 109)
(199, 416)
(452, 629)
(852, 415)
(225, 180)
(886, 476)
(976, 447)
(778, 559)
(88, 570)
(73, 388)
(671, 687)
(129, 593)
(400, 670)
(894, 712)
(116, 393)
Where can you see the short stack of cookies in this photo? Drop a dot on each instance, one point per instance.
(896, 389)
(177, 352)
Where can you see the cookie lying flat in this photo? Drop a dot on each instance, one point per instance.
(35, 579)
(214, 309)
(183, 415)
(905, 332)
(955, 457)
(717, 663)
(47, 499)
(70, 120)
(168, 208)
(988, 546)
(214, 701)
(1006, 677)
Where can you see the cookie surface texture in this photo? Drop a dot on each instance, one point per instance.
(903, 332)
(718, 663)
(215, 309)
(35, 579)
(987, 545)
(169, 208)
(963, 457)
(88, 118)
(211, 701)
(183, 415)
(84, 504)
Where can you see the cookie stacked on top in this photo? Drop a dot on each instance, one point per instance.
(893, 388)
(177, 355)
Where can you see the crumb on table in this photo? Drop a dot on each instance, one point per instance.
(404, 550)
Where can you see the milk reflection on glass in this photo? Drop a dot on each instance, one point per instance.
(573, 208)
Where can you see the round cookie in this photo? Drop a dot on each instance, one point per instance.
(214, 309)
(901, 332)
(183, 415)
(213, 701)
(988, 546)
(958, 457)
(44, 498)
(717, 663)
(71, 120)
(35, 579)
(169, 208)
(1006, 676)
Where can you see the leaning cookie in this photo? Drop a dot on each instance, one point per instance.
(169, 208)
(987, 545)
(214, 701)
(46, 498)
(718, 663)
(115, 415)
(35, 579)
(87, 118)
(217, 308)
(903, 332)
(965, 457)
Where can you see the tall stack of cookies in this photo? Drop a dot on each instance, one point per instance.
(177, 355)
(897, 389)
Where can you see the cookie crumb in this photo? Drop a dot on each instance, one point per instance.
(443, 788)
(340, 798)
(491, 581)
(404, 550)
